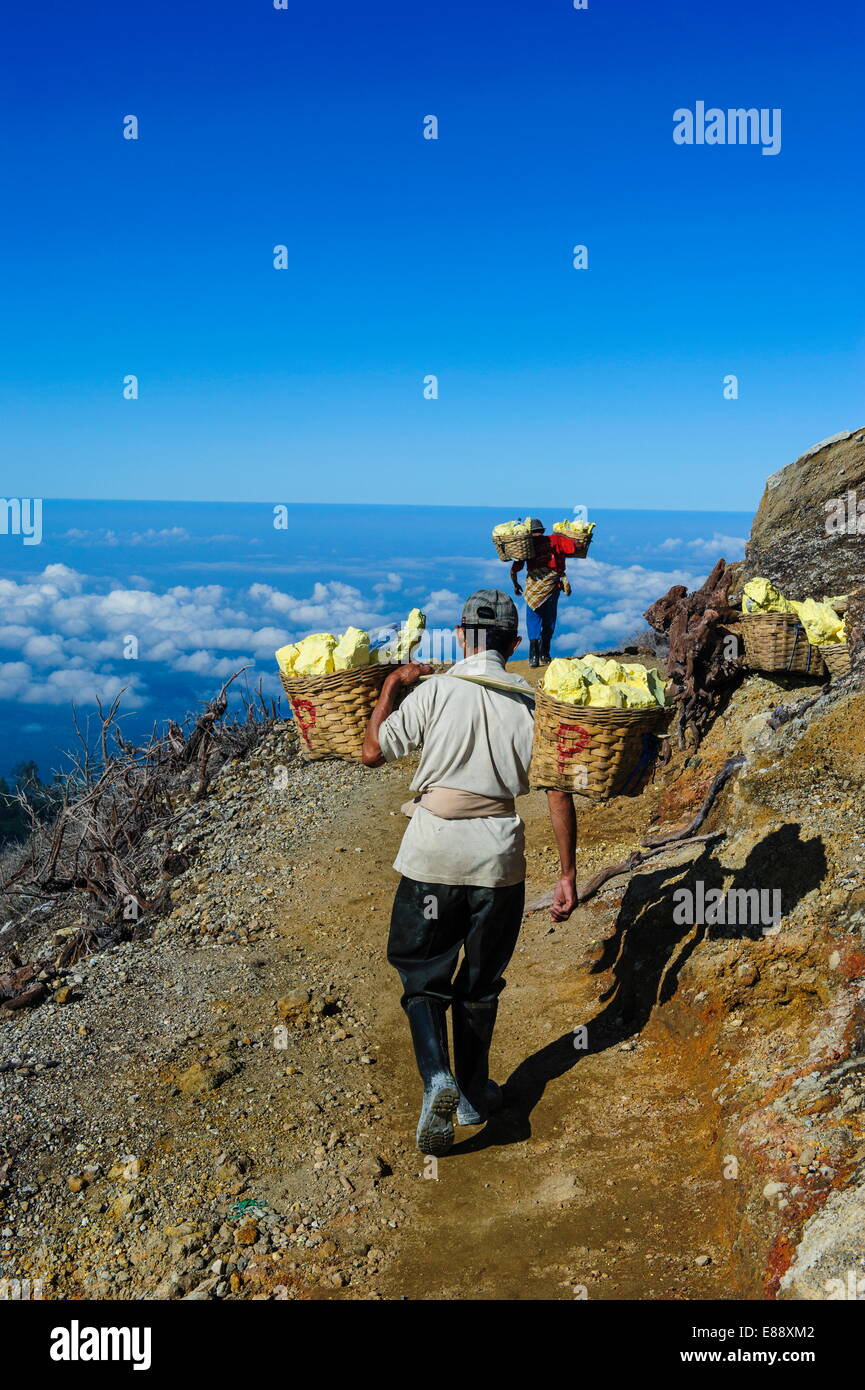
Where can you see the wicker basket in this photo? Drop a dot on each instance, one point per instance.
(837, 657)
(582, 543)
(597, 752)
(779, 642)
(582, 540)
(515, 547)
(332, 712)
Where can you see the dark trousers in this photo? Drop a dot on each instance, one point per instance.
(541, 622)
(431, 922)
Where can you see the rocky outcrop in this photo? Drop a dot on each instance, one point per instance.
(809, 532)
(786, 1007)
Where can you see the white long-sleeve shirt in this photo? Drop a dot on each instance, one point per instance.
(472, 739)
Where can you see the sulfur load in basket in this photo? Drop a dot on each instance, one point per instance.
(333, 684)
(597, 723)
(513, 540)
(579, 531)
(787, 635)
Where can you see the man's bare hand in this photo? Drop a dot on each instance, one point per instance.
(409, 673)
(564, 898)
(517, 588)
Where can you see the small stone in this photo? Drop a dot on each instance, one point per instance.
(295, 1002)
(120, 1207)
(772, 1189)
(247, 1233)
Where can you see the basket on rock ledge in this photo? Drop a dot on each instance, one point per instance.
(332, 712)
(779, 642)
(514, 547)
(598, 753)
(837, 657)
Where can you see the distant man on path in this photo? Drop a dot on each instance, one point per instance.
(545, 577)
(462, 857)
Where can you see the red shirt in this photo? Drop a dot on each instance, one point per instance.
(551, 553)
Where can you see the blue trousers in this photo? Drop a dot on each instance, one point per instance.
(541, 622)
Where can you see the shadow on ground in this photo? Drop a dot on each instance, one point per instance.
(646, 953)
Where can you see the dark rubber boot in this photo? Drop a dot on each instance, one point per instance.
(534, 652)
(427, 1020)
(473, 1033)
(545, 652)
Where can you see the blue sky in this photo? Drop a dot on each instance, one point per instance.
(407, 257)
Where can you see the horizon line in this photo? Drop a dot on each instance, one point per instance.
(443, 506)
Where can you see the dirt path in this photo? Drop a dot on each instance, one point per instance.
(289, 1164)
(603, 1177)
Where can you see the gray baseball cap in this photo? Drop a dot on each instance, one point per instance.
(490, 608)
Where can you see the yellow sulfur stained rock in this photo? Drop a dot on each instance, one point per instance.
(576, 529)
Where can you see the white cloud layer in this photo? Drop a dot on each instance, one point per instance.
(731, 547)
(66, 637)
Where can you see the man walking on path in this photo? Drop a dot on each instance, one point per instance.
(545, 577)
(462, 857)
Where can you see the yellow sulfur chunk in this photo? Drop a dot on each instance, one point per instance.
(604, 683)
(606, 697)
(606, 668)
(558, 673)
(508, 530)
(656, 686)
(411, 634)
(352, 650)
(635, 696)
(574, 528)
(821, 623)
(286, 657)
(571, 688)
(400, 647)
(315, 655)
(761, 596)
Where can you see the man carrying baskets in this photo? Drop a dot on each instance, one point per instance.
(462, 857)
(545, 577)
